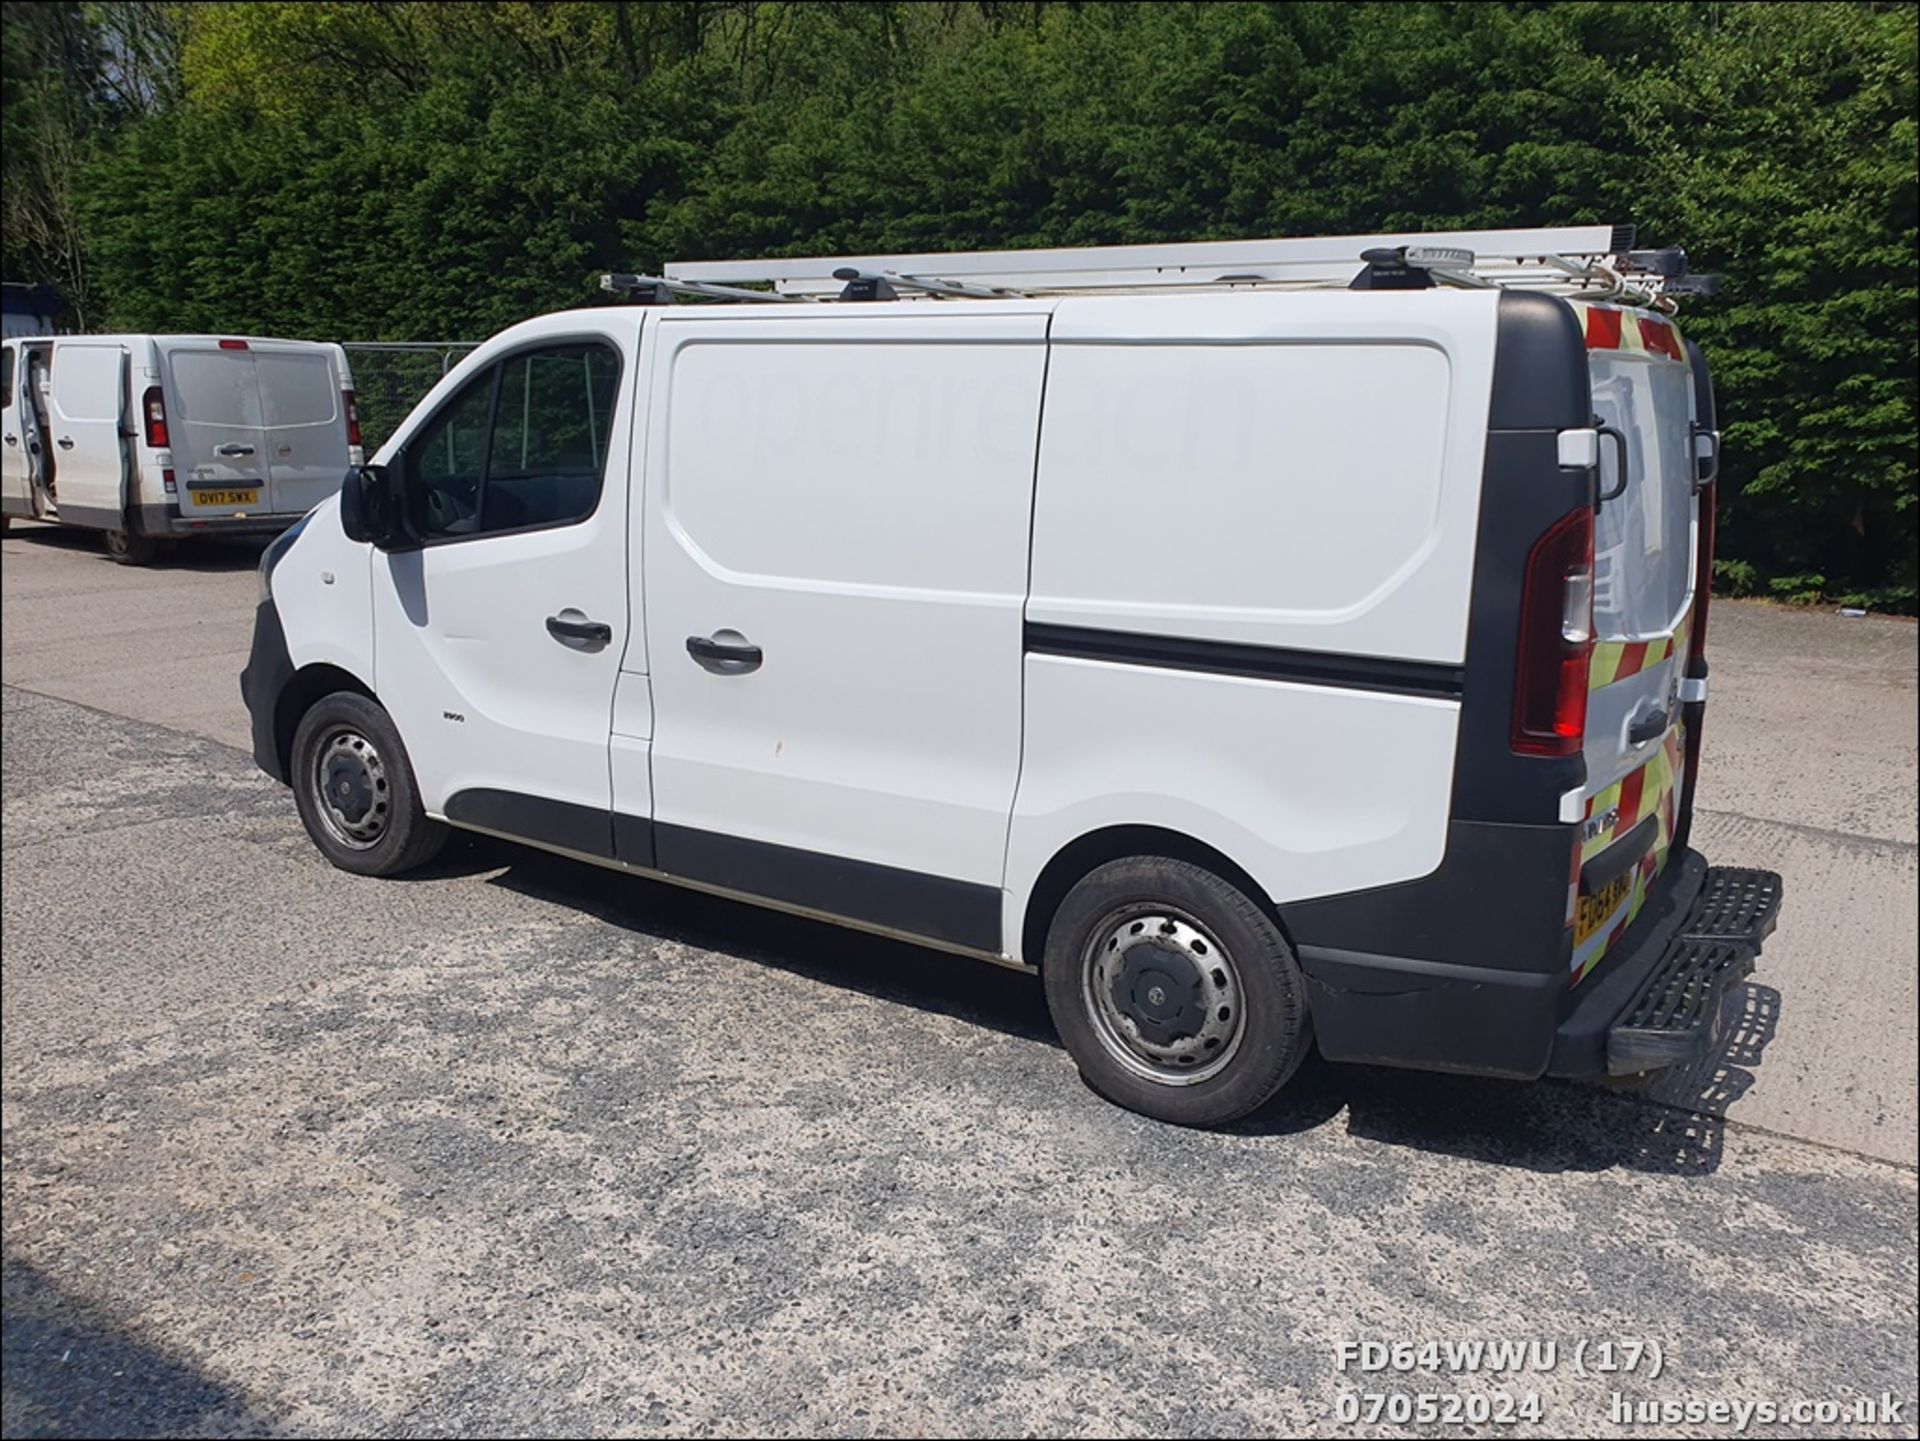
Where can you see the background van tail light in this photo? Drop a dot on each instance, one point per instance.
(353, 417)
(153, 409)
(1556, 640)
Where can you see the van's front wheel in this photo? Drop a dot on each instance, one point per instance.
(355, 789)
(1174, 992)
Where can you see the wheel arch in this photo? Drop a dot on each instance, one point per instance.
(307, 685)
(1081, 856)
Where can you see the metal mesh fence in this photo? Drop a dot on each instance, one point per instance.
(389, 377)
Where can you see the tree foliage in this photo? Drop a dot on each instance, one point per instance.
(438, 170)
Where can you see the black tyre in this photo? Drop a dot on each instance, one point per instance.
(355, 789)
(1174, 992)
(129, 547)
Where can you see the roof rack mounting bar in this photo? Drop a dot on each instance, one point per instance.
(621, 283)
(1174, 261)
(1583, 261)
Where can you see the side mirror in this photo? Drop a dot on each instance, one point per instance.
(370, 506)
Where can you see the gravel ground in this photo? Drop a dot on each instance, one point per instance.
(521, 1146)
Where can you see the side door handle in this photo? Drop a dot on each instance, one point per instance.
(570, 626)
(725, 652)
(65, 442)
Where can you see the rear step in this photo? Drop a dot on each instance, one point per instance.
(1676, 1014)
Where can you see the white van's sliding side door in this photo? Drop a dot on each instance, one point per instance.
(837, 512)
(88, 420)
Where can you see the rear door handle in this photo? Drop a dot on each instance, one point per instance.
(233, 447)
(1619, 439)
(564, 627)
(732, 655)
(1648, 727)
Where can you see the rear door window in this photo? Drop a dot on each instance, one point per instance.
(297, 388)
(1643, 540)
(216, 387)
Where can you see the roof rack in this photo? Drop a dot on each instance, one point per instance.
(1595, 262)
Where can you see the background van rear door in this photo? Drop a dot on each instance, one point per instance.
(306, 433)
(214, 423)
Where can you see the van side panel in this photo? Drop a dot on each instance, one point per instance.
(1299, 471)
(1253, 551)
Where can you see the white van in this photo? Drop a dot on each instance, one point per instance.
(1262, 644)
(152, 438)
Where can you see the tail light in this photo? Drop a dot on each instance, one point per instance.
(1702, 573)
(353, 417)
(153, 407)
(166, 479)
(1556, 640)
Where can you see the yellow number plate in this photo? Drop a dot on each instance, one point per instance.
(1596, 908)
(225, 497)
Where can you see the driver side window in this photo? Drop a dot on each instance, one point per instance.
(447, 461)
(523, 445)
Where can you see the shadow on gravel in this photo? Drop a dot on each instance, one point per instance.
(70, 1371)
(208, 555)
(1537, 1126)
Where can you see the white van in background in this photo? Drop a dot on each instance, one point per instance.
(1272, 643)
(152, 438)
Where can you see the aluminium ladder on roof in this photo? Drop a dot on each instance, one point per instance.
(1566, 259)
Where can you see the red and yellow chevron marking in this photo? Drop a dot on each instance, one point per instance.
(1611, 327)
(1617, 659)
(1654, 790)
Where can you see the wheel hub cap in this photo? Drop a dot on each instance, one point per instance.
(350, 783)
(1164, 997)
(1158, 988)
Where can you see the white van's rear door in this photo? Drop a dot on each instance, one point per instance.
(87, 416)
(1644, 545)
(213, 422)
(306, 427)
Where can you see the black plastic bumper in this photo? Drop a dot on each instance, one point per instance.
(262, 683)
(1660, 1000)
(1655, 1001)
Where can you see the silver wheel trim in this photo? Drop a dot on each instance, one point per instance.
(348, 743)
(1165, 1065)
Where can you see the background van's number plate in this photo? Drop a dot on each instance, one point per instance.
(1595, 908)
(226, 497)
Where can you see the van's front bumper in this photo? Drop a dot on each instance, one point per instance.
(1659, 1002)
(163, 521)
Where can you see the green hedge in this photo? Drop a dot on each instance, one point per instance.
(435, 172)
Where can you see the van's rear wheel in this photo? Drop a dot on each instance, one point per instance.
(129, 547)
(355, 789)
(1174, 992)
